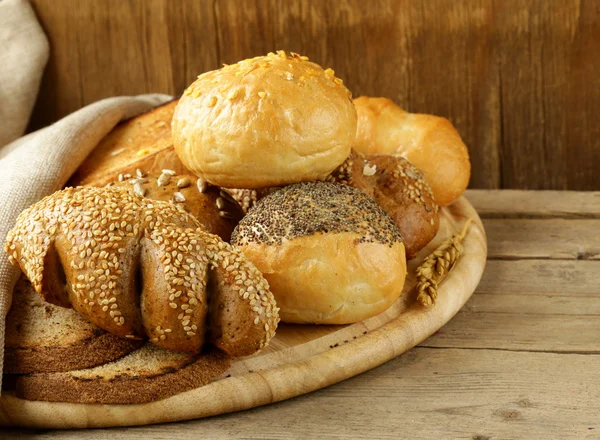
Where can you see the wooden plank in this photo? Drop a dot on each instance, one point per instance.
(535, 204)
(551, 239)
(192, 41)
(539, 59)
(537, 305)
(560, 333)
(423, 394)
(109, 48)
(550, 278)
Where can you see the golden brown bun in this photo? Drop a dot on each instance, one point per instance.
(265, 121)
(430, 142)
(330, 253)
(400, 189)
(216, 210)
(141, 268)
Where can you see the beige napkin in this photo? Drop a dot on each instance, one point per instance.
(40, 163)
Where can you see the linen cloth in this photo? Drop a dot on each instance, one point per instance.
(40, 163)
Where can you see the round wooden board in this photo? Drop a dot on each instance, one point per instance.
(300, 359)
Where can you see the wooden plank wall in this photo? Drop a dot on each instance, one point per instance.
(519, 78)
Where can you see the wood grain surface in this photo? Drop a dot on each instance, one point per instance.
(519, 78)
(519, 361)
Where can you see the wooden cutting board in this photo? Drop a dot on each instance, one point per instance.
(300, 359)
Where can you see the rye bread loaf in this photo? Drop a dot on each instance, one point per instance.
(146, 375)
(41, 337)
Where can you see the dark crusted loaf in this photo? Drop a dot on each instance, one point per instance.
(41, 337)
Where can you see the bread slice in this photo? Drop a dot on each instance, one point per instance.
(142, 142)
(41, 337)
(146, 375)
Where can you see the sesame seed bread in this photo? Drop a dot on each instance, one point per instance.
(140, 268)
(41, 337)
(400, 189)
(147, 374)
(216, 210)
(430, 142)
(265, 121)
(330, 253)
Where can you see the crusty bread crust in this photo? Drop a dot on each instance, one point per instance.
(179, 374)
(141, 142)
(41, 337)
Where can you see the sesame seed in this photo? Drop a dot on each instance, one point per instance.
(178, 197)
(184, 182)
(139, 189)
(369, 170)
(163, 180)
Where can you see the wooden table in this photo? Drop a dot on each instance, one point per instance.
(521, 360)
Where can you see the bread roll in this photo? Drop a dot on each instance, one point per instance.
(330, 254)
(400, 189)
(216, 210)
(265, 121)
(141, 268)
(430, 142)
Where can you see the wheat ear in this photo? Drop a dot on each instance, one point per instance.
(437, 266)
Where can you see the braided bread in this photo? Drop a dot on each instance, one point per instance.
(141, 268)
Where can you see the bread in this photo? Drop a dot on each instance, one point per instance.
(400, 189)
(330, 253)
(216, 210)
(265, 121)
(142, 142)
(98, 248)
(431, 143)
(147, 374)
(41, 337)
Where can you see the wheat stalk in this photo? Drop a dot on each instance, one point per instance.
(437, 266)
